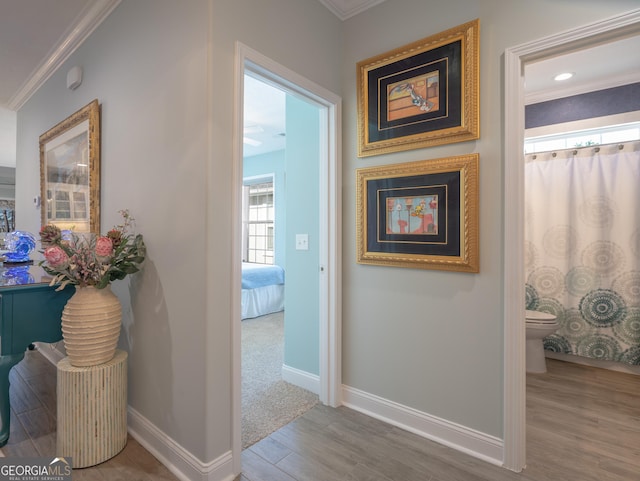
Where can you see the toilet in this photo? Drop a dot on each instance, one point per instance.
(538, 326)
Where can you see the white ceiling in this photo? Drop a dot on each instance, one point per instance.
(603, 66)
(264, 118)
(36, 36)
(29, 29)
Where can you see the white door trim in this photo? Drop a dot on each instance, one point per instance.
(330, 218)
(514, 303)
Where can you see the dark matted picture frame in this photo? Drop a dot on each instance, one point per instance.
(422, 94)
(419, 214)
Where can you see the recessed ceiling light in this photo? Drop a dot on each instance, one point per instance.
(563, 76)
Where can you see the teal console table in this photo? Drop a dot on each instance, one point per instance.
(30, 311)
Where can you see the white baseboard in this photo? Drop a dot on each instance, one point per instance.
(303, 379)
(177, 459)
(480, 445)
(586, 361)
(184, 465)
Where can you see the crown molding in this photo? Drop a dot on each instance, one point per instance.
(342, 9)
(89, 19)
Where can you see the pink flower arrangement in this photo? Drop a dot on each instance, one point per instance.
(56, 257)
(91, 260)
(104, 247)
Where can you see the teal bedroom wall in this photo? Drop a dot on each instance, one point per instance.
(302, 281)
(272, 163)
(296, 212)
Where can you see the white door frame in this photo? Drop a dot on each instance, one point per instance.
(514, 299)
(330, 219)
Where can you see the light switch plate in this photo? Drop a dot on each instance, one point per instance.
(302, 242)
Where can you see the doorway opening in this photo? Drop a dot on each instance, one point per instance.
(280, 277)
(326, 380)
(627, 24)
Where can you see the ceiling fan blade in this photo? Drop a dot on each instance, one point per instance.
(250, 141)
(253, 129)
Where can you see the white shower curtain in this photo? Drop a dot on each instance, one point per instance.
(582, 248)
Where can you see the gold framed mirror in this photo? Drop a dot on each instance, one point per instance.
(70, 172)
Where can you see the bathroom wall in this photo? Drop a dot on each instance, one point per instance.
(600, 103)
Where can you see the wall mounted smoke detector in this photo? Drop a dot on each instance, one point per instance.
(74, 78)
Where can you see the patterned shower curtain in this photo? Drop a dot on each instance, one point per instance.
(582, 248)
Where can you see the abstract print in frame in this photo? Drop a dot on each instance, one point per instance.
(420, 214)
(422, 94)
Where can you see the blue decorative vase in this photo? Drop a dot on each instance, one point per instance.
(19, 244)
(17, 276)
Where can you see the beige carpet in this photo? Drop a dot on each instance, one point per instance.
(268, 402)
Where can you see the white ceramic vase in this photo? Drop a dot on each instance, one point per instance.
(91, 322)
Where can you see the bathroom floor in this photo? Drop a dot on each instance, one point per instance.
(583, 423)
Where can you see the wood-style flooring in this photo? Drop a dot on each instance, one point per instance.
(583, 424)
(33, 428)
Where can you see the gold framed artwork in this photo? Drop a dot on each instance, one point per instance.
(70, 172)
(419, 214)
(423, 94)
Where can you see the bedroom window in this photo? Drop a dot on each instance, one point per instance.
(259, 220)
